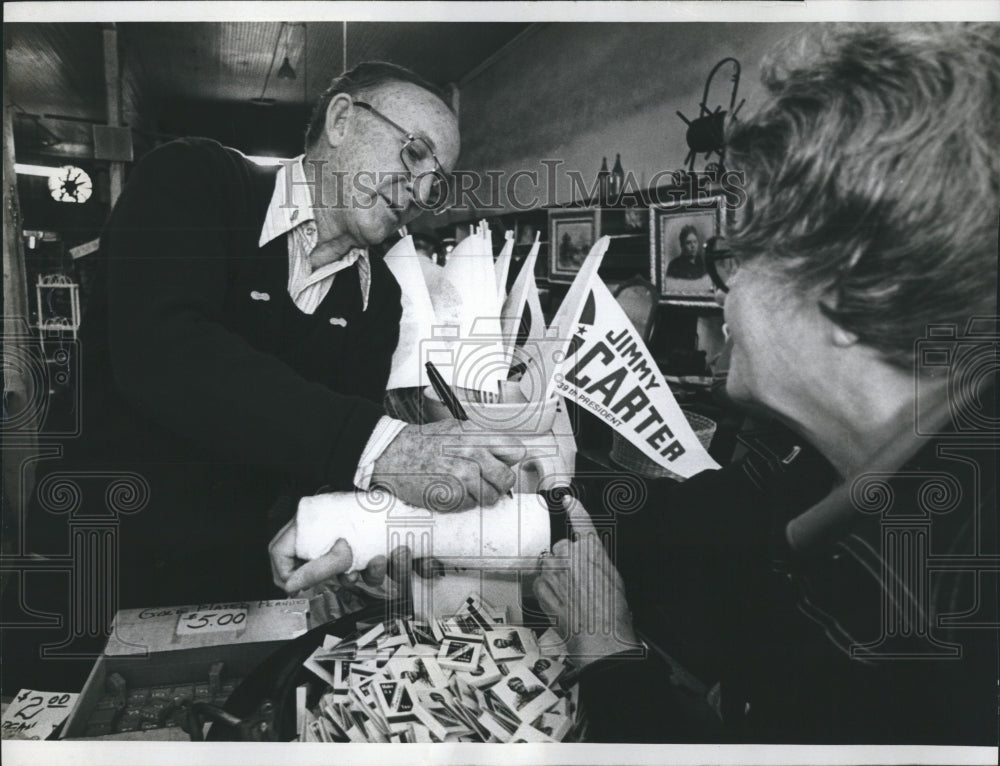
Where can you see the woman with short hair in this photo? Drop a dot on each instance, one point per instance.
(862, 314)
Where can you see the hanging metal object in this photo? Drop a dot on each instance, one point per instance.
(706, 134)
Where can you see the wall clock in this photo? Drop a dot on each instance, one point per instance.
(70, 184)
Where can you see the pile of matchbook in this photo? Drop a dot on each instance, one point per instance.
(468, 678)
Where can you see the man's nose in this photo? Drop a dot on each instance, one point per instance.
(419, 189)
(401, 193)
(408, 203)
(412, 189)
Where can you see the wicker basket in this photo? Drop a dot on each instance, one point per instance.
(626, 455)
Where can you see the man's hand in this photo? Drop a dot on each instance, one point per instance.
(292, 575)
(432, 466)
(582, 591)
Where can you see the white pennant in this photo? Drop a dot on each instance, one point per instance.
(502, 266)
(470, 307)
(520, 295)
(611, 374)
(417, 321)
(566, 318)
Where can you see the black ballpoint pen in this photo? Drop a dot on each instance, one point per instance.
(446, 395)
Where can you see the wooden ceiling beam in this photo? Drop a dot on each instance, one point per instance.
(113, 91)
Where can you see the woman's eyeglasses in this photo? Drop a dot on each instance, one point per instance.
(720, 263)
(430, 182)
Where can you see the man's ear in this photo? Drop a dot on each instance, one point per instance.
(338, 113)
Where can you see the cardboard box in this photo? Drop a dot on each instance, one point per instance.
(175, 646)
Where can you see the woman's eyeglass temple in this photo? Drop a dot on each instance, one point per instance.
(719, 262)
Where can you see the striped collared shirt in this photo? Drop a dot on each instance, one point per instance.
(291, 212)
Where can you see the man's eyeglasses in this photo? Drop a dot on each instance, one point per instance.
(720, 263)
(430, 182)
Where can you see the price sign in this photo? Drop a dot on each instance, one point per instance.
(34, 714)
(211, 621)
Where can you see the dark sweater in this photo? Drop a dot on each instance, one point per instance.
(709, 576)
(219, 400)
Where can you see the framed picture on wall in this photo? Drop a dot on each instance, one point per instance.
(677, 236)
(571, 235)
(525, 232)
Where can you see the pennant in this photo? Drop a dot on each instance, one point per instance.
(417, 321)
(449, 316)
(610, 373)
(521, 317)
(502, 266)
(467, 302)
(565, 321)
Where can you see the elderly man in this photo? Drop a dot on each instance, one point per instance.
(239, 340)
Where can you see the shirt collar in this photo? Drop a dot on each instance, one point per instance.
(291, 203)
(284, 217)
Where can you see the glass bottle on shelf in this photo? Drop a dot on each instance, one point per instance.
(603, 179)
(617, 178)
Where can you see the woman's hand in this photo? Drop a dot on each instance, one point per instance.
(582, 591)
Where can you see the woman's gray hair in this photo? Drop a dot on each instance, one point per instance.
(873, 176)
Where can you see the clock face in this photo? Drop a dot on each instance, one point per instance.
(70, 184)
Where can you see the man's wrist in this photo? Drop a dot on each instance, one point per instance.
(384, 433)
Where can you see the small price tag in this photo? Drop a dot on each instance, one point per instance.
(212, 621)
(34, 714)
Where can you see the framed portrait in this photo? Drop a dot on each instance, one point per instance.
(524, 233)
(677, 236)
(571, 235)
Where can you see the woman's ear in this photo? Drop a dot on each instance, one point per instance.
(835, 333)
(840, 337)
(338, 113)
